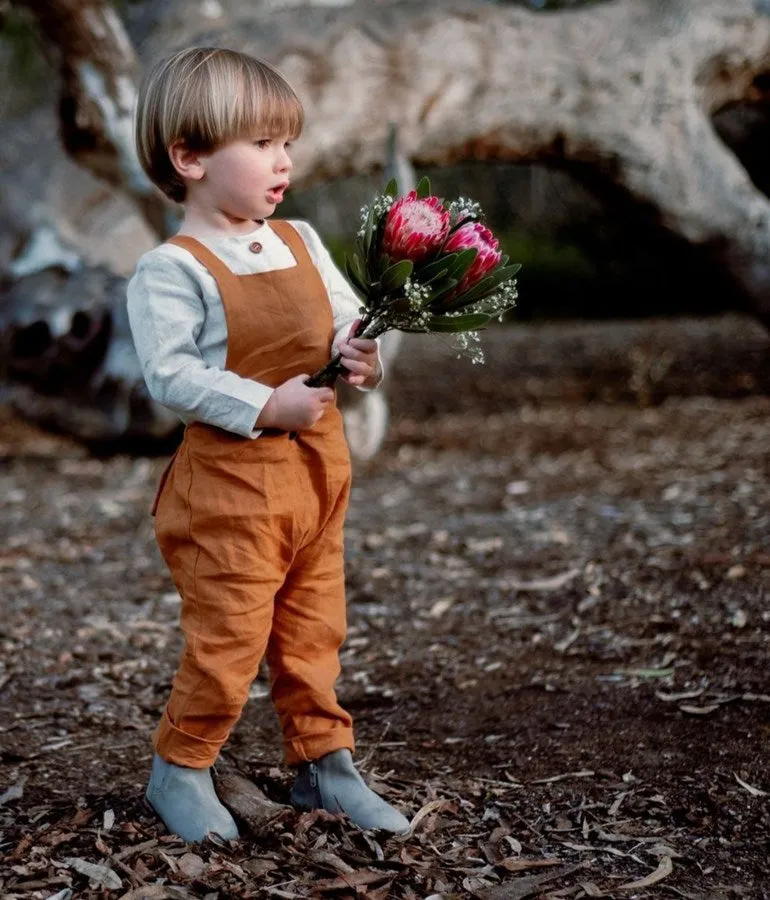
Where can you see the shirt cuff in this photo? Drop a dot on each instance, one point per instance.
(255, 395)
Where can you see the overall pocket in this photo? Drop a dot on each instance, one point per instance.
(162, 483)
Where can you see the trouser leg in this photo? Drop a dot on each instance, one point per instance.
(227, 611)
(303, 651)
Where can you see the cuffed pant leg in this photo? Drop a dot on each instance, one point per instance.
(227, 570)
(309, 624)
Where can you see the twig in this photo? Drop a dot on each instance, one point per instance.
(375, 746)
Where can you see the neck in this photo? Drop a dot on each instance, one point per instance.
(205, 221)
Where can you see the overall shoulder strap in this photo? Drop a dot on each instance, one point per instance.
(292, 238)
(224, 277)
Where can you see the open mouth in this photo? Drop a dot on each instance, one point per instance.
(275, 194)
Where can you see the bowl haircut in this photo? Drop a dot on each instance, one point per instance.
(206, 97)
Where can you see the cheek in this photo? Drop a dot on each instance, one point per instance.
(250, 170)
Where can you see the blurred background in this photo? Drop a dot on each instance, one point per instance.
(558, 565)
(595, 239)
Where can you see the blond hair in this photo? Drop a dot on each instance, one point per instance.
(206, 97)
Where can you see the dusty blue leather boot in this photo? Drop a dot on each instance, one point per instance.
(186, 801)
(333, 783)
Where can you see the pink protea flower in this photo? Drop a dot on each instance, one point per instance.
(415, 227)
(474, 235)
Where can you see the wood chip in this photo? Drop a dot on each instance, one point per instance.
(699, 710)
(136, 848)
(103, 876)
(563, 645)
(755, 792)
(430, 807)
(156, 892)
(354, 880)
(14, 792)
(586, 773)
(512, 864)
(665, 868)
(520, 888)
(613, 810)
(192, 865)
(325, 859)
(683, 695)
(553, 583)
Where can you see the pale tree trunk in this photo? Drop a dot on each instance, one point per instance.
(625, 89)
(99, 70)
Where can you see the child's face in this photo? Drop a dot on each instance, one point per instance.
(245, 179)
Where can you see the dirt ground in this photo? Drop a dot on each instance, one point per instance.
(559, 593)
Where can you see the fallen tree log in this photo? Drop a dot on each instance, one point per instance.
(67, 360)
(623, 90)
(623, 93)
(98, 75)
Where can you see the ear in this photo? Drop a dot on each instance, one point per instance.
(189, 164)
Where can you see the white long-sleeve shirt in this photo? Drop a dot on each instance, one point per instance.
(178, 324)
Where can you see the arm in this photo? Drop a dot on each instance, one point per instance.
(166, 314)
(346, 306)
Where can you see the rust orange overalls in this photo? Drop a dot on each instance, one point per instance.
(252, 531)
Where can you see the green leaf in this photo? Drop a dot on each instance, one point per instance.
(457, 324)
(391, 188)
(383, 264)
(360, 292)
(436, 278)
(396, 275)
(423, 187)
(450, 285)
(355, 272)
(436, 269)
(374, 296)
(485, 286)
(368, 229)
(464, 262)
(375, 247)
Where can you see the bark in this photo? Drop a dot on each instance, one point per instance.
(625, 90)
(99, 70)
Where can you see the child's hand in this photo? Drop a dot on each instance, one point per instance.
(359, 356)
(294, 406)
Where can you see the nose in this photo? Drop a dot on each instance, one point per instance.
(284, 163)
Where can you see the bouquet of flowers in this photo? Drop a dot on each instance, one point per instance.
(425, 266)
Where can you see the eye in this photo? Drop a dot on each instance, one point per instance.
(288, 145)
(263, 144)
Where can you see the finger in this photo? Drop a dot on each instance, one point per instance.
(366, 345)
(349, 351)
(353, 328)
(357, 367)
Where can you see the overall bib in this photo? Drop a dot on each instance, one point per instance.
(252, 532)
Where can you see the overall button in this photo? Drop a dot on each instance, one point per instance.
(255, 247)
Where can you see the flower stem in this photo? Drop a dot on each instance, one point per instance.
(326, 376)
